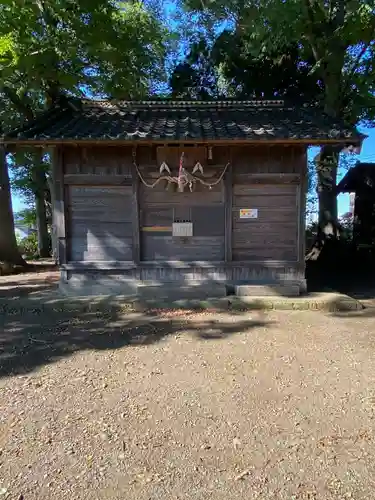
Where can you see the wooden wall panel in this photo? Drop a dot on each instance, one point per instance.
(100, 223)
(263, 190)
(159, 208)
(187, 199)
(98, 161)
(172, 155)
(166, 247)
(209, 220)
(274, 234)
(265, 159)
(72, 160)
(261, 253)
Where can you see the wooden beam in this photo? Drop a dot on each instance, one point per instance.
(147, 142)
(167, 264)
(97, 180)
(99, 265)
(272, 178)
(228, 197)
(136, 218)
(59, 221)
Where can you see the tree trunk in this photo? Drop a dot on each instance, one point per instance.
(326, 168)
(53, 225)
(40, 186)
(326, 164)
(9, 252)
(327, 161)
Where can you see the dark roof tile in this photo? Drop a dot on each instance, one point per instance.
(183, 120)
(357, 178)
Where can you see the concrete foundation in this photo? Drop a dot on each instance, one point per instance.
(184, 281)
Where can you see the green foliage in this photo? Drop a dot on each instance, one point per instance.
(52, 47)
(334, 41)
(29, 246)
(21, 173)
(198, 76)
(26, 217)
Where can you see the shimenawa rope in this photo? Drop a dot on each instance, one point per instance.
(176, 180)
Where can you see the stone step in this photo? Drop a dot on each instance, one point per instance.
(177, 291)
(272, 289)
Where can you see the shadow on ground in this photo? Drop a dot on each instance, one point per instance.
(366, 312)
(38, 278)
(14, 290)
(37, 336)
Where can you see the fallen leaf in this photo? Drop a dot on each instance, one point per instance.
(243, 474)
(236, 443)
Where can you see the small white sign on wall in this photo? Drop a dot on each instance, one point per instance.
(182, 229)
(248, 213)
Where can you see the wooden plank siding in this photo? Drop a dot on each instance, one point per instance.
(266, 160)
(162, 205)
(99, 204)
(100, 223)
(112, 216)
(267, 180)
(98, 161)
(273, 235)
(98, 166)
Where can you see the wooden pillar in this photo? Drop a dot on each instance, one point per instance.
(301, 203)
(136, 217)
(228, 200)
(59, 215)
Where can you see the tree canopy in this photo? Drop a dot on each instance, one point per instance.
(334, 40)
(51, 49)
(97, 46)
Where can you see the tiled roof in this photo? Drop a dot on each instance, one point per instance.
(358, 178)
(182, 121)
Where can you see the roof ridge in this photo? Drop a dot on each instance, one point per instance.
(186, 102)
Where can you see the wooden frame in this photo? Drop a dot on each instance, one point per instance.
(301, 207)
(228, 200)
(97, 180)
(108, 266)
(136, 218)
(273, 178)
(58, 182)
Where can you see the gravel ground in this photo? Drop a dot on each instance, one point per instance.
(278, 405)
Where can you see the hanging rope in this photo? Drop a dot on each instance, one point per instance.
(210, 185)
(162, 178)
(177, 180)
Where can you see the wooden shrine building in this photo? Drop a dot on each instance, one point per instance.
(153, 195)
(360, 180)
